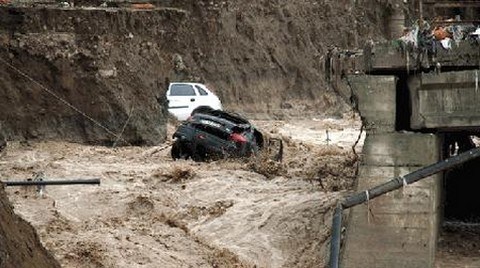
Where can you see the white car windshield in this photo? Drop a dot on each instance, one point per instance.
(181, 90)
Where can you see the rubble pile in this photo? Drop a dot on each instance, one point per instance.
(438, 34)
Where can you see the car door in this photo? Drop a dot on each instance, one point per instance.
(182, 99)
(203, 97)
(207, 97)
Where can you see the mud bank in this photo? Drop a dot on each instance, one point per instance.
(19, 243)
(151, 210)
(113, 64)
(85, 58)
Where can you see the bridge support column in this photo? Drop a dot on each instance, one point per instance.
(398, 229)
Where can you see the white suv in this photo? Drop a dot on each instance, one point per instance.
(183, 98)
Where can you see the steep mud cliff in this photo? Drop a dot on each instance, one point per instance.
(113, 64)
(93, 60)
(19, 243)
(267, 55)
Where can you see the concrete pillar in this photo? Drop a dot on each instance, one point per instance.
(375, 97)
(396, 22)
(400, 228)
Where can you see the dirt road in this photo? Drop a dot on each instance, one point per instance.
(150, 211)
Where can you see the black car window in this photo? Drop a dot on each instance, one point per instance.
(181, 90)
(201, 91)
(213, 131)
(230, 117)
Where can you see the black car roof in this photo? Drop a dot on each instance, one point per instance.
(236, 118)
(225, 119)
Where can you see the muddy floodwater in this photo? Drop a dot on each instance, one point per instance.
(151, 211)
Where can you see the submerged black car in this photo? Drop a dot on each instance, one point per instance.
(214, 134)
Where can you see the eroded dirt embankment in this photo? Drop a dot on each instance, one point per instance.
(101, 62)
(113, 64)
(19, 243)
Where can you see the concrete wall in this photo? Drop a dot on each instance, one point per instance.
(398, 229)
(401, 228)
(445, 100)
(375, 97)
(398, 57)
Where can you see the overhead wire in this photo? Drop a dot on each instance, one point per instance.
(68, 104)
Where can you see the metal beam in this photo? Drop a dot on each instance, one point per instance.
(453, 4)
(417, 175)
(52, 182)
(336, 237)
(389, 186)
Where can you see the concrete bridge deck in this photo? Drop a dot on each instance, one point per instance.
(415, 113)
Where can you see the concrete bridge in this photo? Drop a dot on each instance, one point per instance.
(417, 109)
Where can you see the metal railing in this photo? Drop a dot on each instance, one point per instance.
(386, 187)
(51, 182)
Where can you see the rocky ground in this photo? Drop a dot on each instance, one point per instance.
(150, 210)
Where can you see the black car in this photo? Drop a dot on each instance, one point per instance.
(214, 134)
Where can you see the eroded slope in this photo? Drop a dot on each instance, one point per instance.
(113, 64)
